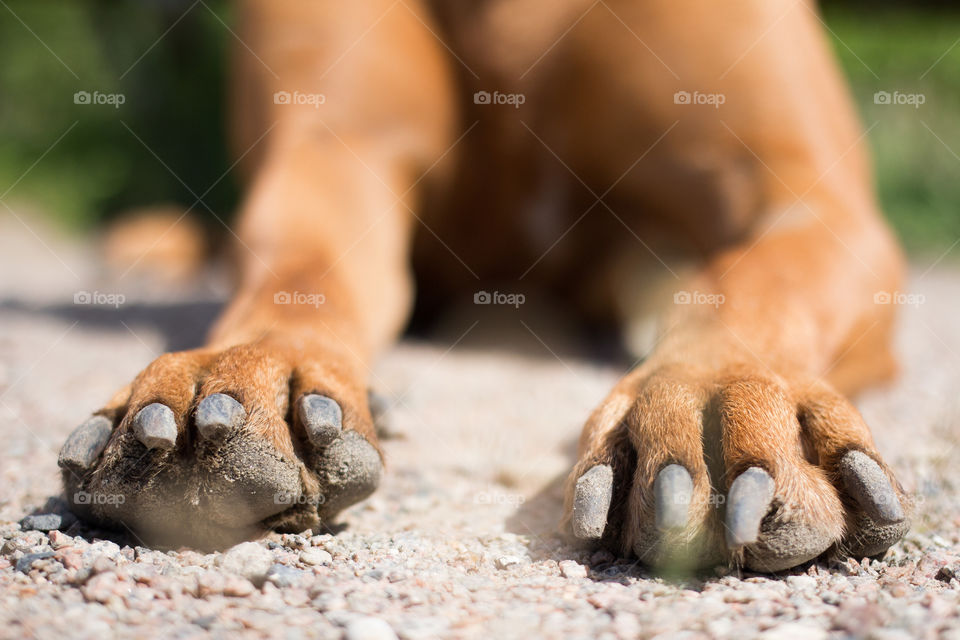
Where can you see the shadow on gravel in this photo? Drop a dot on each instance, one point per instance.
(183, 325)
(538, 518)
(539, 515)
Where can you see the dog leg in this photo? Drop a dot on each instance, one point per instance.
(729, 441)
(268, 425)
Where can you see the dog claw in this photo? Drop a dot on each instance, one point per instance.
(867, 483)
(747, 503)
(155, 426)
(591, 502)
(85, 444)
(672, 490)
(322, 419)
(217, 416)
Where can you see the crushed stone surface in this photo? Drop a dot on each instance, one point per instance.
(460, 540)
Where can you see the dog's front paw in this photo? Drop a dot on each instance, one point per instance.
(208, 448)
(685, 466)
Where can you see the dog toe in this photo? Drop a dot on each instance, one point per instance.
(348, 471)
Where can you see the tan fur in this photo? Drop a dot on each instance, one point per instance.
(770, 195)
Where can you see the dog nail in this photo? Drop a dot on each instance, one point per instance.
(867, 483)
(322, 419)
(85, 444)
(217, 416)
(155, 426)
(591, 501)
(672, 490)
(747, 503)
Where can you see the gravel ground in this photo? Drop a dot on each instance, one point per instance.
(459, 541)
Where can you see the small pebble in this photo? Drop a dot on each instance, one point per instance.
(24, 563)
(41, 522)
(802, 583)
(205, 622)
(948, 573)
(219, 583)
(283, 576)
(572, 569)
(58, 539)
(315, 557)
(247, 559)
(505, 562)
(369, 629)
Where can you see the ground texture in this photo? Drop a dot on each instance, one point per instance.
(460, 539)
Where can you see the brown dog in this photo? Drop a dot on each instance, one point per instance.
(582, 147)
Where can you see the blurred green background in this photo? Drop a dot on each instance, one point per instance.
(169, 67)
(174, 99)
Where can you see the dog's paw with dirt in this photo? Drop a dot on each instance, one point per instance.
(211, 447)
(685, 466)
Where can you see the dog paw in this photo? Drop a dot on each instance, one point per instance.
(207, 448)
(685, 467)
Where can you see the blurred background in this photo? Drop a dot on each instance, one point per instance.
(173, 98)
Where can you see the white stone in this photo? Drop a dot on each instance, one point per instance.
(315, 557)
(572, 569)
(802, 583)
(369, 629)
(247, 559)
